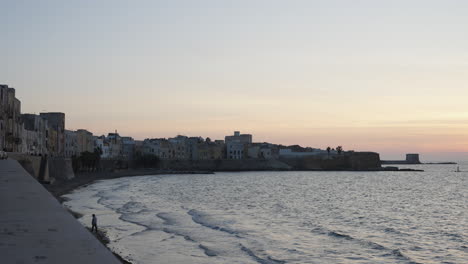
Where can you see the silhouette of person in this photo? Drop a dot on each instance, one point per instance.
(94, 224)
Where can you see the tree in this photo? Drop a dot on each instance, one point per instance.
(89, 160)
(339, 149)
(147, 160)
(328, 150)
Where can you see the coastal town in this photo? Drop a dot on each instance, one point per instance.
(45, 134)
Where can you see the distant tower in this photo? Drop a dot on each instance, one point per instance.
(412, 159)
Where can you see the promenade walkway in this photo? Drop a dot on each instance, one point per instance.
(35, 228)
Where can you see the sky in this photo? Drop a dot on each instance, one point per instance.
(384, 76)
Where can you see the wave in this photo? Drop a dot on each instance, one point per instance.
(388, 252)
(168, 220)
(131, 208)
(339, 235)
(268, 260)
(178, 233)
(208, 252)
(204, 220)
(394, 231)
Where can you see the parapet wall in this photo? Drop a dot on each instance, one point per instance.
(45, 169)
(36, 228)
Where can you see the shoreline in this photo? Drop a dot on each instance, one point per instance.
(101, 236)
(63, 187)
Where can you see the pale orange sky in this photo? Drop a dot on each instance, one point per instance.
(387, 77)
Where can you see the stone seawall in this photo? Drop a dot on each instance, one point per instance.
(345, 161)
(223, 165)
(60, 168)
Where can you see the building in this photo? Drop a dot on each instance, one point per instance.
(235, 150)
(179, 148)
(151, 147)
(413, 158)
(238, 137)
(35, 133)
(101, 144)
(210, 151)
(85, 141)
(56, 133)
(71, 144)
(138, 147)
(115, 145)
(237, 145)
(266, 152)
(159, 147)
(192, 147)
(128, 148)
(10, 120)
(260, 151)
(253, 152)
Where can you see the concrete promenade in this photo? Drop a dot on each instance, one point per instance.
(35, 228)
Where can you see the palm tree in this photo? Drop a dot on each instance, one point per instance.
(328, 150)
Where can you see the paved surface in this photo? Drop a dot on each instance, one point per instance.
(35, 228)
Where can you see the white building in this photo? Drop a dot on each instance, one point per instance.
(128, 147)
(179, 147)
(151, 147)
(102, 144)
(237, 145)
(71, 144)
(235, 150)
(34, 134)
(158, 147)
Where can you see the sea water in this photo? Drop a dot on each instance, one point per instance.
(284, 217)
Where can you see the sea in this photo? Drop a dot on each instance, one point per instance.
(284, 217)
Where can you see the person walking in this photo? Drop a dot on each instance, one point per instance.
(94, 224)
